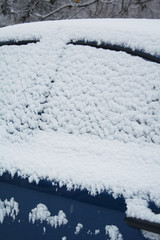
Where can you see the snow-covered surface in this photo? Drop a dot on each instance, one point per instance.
(138, 208)
(150, 235)
(42, 214)
(77, 89)
(84, 117)
(135, 33)
(113, 232)
(86, 162)
(8, 208)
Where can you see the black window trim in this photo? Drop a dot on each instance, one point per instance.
(115, 47)
(18, 43)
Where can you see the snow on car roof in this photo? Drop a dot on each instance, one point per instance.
(142, 34)
(85, 117)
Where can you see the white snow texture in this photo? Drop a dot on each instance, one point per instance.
(78, 228)
(113, 232)
(83, 117)
(150, 236)
(79, 89)
(8, 208)
(41, 213)
(138, 208)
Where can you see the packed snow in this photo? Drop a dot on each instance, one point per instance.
(83, 117)
(8, 208)
(113, 232)
(41, 213)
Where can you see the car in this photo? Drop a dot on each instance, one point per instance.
(80, 130)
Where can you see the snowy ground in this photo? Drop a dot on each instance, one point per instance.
(88, 118)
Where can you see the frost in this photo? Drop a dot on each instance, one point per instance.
(78, 228)
(44, 230)
(41, 213)
(113, 232)
(8, 208)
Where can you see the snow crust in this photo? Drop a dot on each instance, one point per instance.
(83, 117)
(8, 208)
(113, 233)
(41, 213)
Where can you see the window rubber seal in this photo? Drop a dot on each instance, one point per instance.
(18, 43)
(115, 47)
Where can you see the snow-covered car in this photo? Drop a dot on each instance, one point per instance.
(80, 130)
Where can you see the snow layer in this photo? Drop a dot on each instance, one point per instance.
(41, 213)
(142, 34)
(87, 163)
(88, 118)
(8, 208)
(113, 232)
(78, 90)
(138, 208)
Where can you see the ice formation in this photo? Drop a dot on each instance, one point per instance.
(41, 213)
(78, 228)
(8, 208)
(113, 232)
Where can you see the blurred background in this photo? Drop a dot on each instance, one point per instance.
(20, 11)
